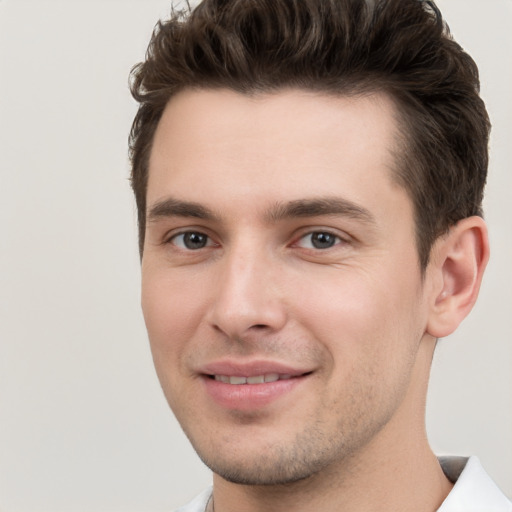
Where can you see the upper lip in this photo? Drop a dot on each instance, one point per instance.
(254, 368)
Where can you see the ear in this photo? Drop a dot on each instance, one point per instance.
(458, 261)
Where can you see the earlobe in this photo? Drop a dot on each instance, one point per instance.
(457, 266)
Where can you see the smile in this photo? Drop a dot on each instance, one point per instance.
(254, 391)
(257, 379)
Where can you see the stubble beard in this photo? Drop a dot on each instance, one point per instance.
(274, 465)
(311, 453)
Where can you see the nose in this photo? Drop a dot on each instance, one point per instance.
(248, 296)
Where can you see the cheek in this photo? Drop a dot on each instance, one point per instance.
(362, 317)
(371, 334)
(172, 310)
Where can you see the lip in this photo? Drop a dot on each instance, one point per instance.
(247, 397)
(251, 368)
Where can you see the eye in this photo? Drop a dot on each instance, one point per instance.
(191, 240)
(319, 240)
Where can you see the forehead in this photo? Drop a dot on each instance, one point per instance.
(213, 143)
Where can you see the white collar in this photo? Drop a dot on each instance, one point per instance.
(474, 491)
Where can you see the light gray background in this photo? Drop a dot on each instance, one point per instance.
(83, 423)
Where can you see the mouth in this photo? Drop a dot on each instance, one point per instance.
(252, 387)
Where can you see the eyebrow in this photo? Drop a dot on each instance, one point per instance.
(319, 207)
(171, 207)
(299, 208)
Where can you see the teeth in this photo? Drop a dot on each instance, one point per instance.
(257, 379)
(237, 380)
(260, 379)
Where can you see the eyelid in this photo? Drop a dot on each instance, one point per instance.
(172, 232)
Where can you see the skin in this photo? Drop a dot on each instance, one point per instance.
(355, 314)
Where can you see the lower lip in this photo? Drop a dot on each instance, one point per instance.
(246, 397)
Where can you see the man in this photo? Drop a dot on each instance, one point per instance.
(309, 177)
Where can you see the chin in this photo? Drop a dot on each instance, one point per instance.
(261, 473)
(272, 465)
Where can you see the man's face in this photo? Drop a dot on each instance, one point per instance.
(281, 286)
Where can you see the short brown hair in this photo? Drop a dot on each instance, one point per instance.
(348, 47)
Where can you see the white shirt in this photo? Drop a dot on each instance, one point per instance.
(474, 491)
